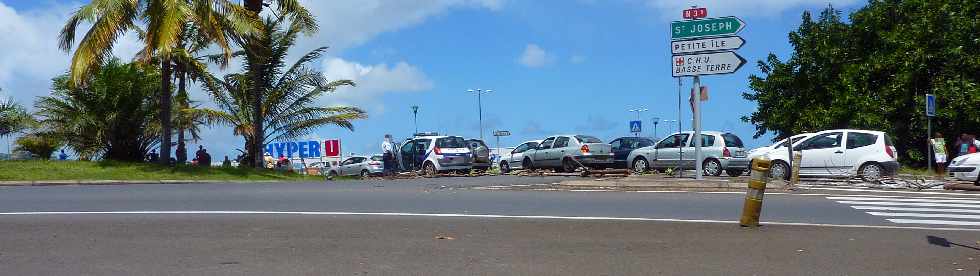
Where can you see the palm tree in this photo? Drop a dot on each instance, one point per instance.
(13, 117)
(290, 109)
(255, 53)
(164, 20)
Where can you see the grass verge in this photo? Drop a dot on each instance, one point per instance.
(110, 170)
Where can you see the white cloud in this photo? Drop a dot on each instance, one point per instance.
(534, 56)
(373, 81)
(671, 9)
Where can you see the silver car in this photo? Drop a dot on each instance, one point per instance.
(514, 160)
(569, 152)
(362, 166)
(723, 152)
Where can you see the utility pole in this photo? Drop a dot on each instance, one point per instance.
(415, 113)
(656, 120)
(479, 100)
(680, 84)
(698, 169)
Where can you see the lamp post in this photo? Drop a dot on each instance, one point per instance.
(638, 111)
(656, 120)
(479, 101)
(415, 113)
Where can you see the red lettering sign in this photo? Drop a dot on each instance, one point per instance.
(331, 148)
(695, 13)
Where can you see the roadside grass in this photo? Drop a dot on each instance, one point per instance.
(917, 171)
(111, 170)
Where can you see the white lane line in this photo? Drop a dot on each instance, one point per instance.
(940, 222)
(924, 215)
(474, 216)
(741, 193)
(661, 191)
(886, 191)
(919, 204)
(885, 208)
(850, 198)
(590, 190)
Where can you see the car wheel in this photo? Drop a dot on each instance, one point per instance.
(429, 170)
(640, 165)
(331, 175)
(871, 172)
(779, 170)
(504, 168)
(569, 166)
(712, 167)
(526, 164)
(365, 173)
(734, 173)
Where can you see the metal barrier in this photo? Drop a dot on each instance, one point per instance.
(757, 189)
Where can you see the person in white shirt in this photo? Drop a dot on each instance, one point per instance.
(388, 153)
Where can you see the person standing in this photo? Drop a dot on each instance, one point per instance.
(226, 163)
(63, 156)
(939, 151)
(388, 156)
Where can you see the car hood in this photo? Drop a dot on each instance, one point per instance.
(969, 159)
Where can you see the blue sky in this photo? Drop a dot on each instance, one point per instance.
(554, 66)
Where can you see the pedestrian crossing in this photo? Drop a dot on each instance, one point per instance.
(930, 210)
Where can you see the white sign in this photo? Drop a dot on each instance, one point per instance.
(706, 64)
(706, 45)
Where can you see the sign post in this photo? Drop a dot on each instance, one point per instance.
(930, 112)
(636, 127)
(498, 134)
(703, 47)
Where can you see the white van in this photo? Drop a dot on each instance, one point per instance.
(841, 153)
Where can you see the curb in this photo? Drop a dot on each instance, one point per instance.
(42, 183)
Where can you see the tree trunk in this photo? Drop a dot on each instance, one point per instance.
(181, 88)
(166, 104)
(258, 133)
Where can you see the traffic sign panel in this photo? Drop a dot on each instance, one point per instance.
(706, 45)
(636, 126)
(930, 105)
(706, 64)
(706, 27)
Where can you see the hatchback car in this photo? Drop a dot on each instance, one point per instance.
(723, 153)
(435, 154)
(965, 167)
(362, 166)
(622, 147)
(781, 145)
(481, 154)
(568, 153)
(841, 153)
(514, 160)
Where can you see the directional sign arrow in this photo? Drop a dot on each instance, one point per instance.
(706, 45)
(706, 64)
(706, 27)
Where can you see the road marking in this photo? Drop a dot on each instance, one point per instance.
(885, 208)
(590, 190)
(941, 222)
(475, 216)
(886, 191)
(849, 198)
(924, 215)
(919, 204)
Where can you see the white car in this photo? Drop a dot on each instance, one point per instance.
(362, 166)
(435, 154)
(514, 159)
(965, 167)
(781, 145)
(840, 153)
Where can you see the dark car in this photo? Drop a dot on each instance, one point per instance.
(622, 147)
(481, 154)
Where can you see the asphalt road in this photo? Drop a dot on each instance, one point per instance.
(393, 228)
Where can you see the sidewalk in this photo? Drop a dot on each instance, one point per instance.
(120, 182)
(658, 182)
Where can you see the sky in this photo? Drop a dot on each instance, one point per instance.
(555, 67)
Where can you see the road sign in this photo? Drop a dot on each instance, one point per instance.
(501, 133)
(714, 44)
(930, 105)
(706, 27)
(636, 126)
(706, 64)
(695, 13)
(331, 148)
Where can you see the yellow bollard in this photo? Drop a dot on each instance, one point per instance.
(757, 189)
(797, 160)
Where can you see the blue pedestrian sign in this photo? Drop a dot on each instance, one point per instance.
(930, 105)
(636, 126)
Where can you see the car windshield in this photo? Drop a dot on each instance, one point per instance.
(732, 141)
(377, 158)
(587, 139)
(451, 142)
(474, 144)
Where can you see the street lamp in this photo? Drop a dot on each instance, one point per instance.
(479, 101)
(415, 112)
(638, 111)
(656, 120)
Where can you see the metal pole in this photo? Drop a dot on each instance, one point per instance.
(680, 172)
(699, 171)
(929, 144)
(479, 100)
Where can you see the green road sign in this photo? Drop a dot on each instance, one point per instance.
(728, 25)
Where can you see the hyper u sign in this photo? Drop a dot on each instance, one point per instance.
(304, 149)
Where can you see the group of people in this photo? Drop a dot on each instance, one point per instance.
(965, 144)
(278, 163)
(201, 158)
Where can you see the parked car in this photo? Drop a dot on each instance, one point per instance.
(841, 153)
(567, 152)
(435, 154)
(965, 167)
(362, 166)
(481, 154)
(622, 147)
(514, 159)
(723, 153)
(781, 145)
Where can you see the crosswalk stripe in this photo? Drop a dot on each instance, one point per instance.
(940, 222)
(887, 191)
(903, 199)
(924, 215)
(886, 208)
(902, 196)
(919, 204)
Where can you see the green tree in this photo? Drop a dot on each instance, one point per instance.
(42, 144)
(114, 116)
(218, 20)
(290, 104)
(13, 117)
